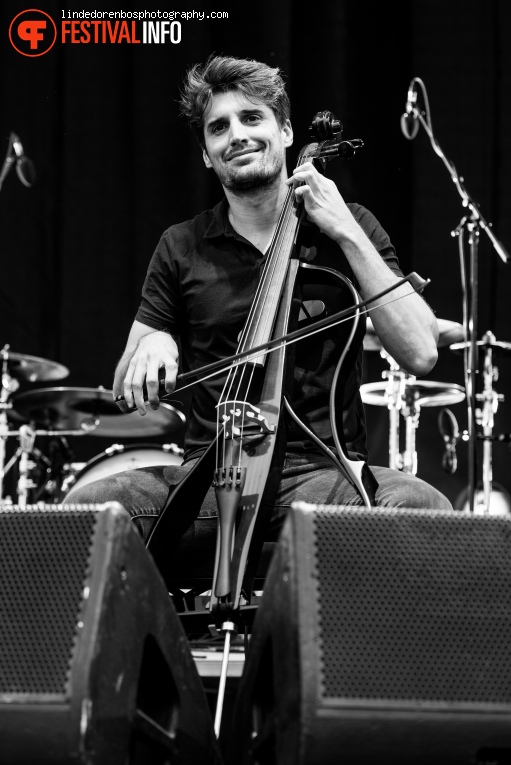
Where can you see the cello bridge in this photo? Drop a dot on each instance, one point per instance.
(239, 418)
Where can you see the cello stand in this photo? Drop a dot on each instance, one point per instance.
(228, 629)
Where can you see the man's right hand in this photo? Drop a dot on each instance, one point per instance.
(154, 350)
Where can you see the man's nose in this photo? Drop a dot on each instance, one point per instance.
(237, 131)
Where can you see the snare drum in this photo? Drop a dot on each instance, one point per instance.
(118, 458)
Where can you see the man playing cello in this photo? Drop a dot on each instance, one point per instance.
(201, 282)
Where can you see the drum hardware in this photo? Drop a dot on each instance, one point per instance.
(394, 391)
(469, 227)
(402, 393)
(92, 411)
(397, 382)
(30, 368)
(450, 432)
(489, 401)
(27, 438)
(500, 501)
(60, 412)
(15, 367)
(488, 341)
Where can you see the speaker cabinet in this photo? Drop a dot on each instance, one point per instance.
(94, 665)
(383, 636)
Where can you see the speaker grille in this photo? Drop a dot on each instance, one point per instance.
(413, 606)
(44, 560)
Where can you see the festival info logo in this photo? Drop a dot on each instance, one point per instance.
(32, 33)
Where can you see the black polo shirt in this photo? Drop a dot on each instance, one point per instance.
(200, 284)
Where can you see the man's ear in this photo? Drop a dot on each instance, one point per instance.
(287, 132)
(206, 159)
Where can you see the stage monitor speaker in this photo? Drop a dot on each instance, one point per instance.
(383, 636)
(94, 665)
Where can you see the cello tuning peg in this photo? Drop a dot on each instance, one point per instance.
(325, 126)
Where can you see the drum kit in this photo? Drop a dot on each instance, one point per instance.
(59, 413)
(404, 396)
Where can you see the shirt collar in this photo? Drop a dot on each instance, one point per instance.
(220, 224)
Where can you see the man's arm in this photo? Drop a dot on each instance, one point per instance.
(147, 351)
(407, 327)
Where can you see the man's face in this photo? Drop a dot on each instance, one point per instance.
(244, 144)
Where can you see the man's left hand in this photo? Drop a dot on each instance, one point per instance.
(323, 203)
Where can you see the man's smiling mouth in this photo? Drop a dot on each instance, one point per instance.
(242, 153)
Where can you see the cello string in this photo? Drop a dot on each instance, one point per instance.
(277, 235)
(257, 298)
(284, 234)
(266, 276)
(236, 379)
(272, 262)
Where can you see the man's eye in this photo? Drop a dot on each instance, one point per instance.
(217, 128)
(253, 118)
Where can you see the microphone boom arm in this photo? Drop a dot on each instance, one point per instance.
(466, 199)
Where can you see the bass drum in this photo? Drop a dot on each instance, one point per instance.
(118, 458)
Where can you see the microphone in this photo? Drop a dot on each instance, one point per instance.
(449, 430)
(24, 166)
(409, 122)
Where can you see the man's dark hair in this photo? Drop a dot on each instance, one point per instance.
(220, 74)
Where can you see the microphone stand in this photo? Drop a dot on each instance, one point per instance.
(472, 223)
(9, 161)
(16, 157)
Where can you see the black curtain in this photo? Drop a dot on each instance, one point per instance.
(116, 166)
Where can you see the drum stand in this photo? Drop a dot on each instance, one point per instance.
(490, 400)
(411, 411)
(26, 435)
(394, 390)
(401, 398)
(8, 385)
(404, 394)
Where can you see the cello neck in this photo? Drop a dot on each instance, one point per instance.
(261, 320)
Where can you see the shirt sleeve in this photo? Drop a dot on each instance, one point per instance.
(378, 236)
(160, 306)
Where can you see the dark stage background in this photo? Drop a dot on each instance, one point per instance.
(116, 166)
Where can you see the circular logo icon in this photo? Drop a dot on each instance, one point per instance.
(32, 33)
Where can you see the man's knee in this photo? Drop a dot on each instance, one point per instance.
(429, 498)
(402, 490)
(94, 493)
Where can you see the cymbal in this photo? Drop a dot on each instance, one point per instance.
(448, 332)
(421, 392)
(32, 368)
(499, 345)
(93, 411)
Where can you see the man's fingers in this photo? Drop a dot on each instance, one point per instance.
(152, 383)
(137, 385)
(305, 193)
(154, 352)
(170, 376)
(128, 394)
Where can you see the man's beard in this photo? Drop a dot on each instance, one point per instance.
(256, 180)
